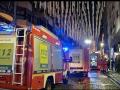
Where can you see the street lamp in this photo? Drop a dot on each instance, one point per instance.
(88, 41)
(101, 44)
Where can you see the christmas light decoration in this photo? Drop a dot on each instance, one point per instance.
(77, 19)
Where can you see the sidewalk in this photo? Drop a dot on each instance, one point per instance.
(115, 76)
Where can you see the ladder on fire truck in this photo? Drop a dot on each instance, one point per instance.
(19, 57)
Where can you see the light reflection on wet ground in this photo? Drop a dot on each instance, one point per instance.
(100, 81)
(95, 81)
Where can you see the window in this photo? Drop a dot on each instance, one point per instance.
(57, 59)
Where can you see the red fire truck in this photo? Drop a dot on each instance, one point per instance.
(98, 62)
(30, 59)
(80, 62)
(102, 65)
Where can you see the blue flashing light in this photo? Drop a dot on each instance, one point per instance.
(65, 49)
(6, 27)
(9, 30)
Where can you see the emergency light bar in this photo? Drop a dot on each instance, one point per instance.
(5, 28)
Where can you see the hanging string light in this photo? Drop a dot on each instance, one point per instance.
(40, 4)
(77, 8)
(77, 21)
(62, 15)
(80, 21)
(44, 5)
(97, 13)
(70, 16)
(74, 17)
(35, 3)
(86, 23)
(83, 26)
(74, 21)
(83, 20)
(62, 7)
(100, 17)
(93, 18)
(89, 29)
(50, 8)
(65, 17)
(80, 26)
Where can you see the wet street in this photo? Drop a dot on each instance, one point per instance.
(100, 81)
(95, 80)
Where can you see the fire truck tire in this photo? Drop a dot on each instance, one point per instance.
(68, 74)
(65, 81)
(49, 85)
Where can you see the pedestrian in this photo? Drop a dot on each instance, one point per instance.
(108, 65)
(112, 64)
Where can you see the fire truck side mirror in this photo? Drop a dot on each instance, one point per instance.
(70, 58)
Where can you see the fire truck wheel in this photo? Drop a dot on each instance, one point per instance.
(65, 81)
(49, 85)
(68, 74)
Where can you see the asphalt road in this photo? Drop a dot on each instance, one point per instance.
(95, 81)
